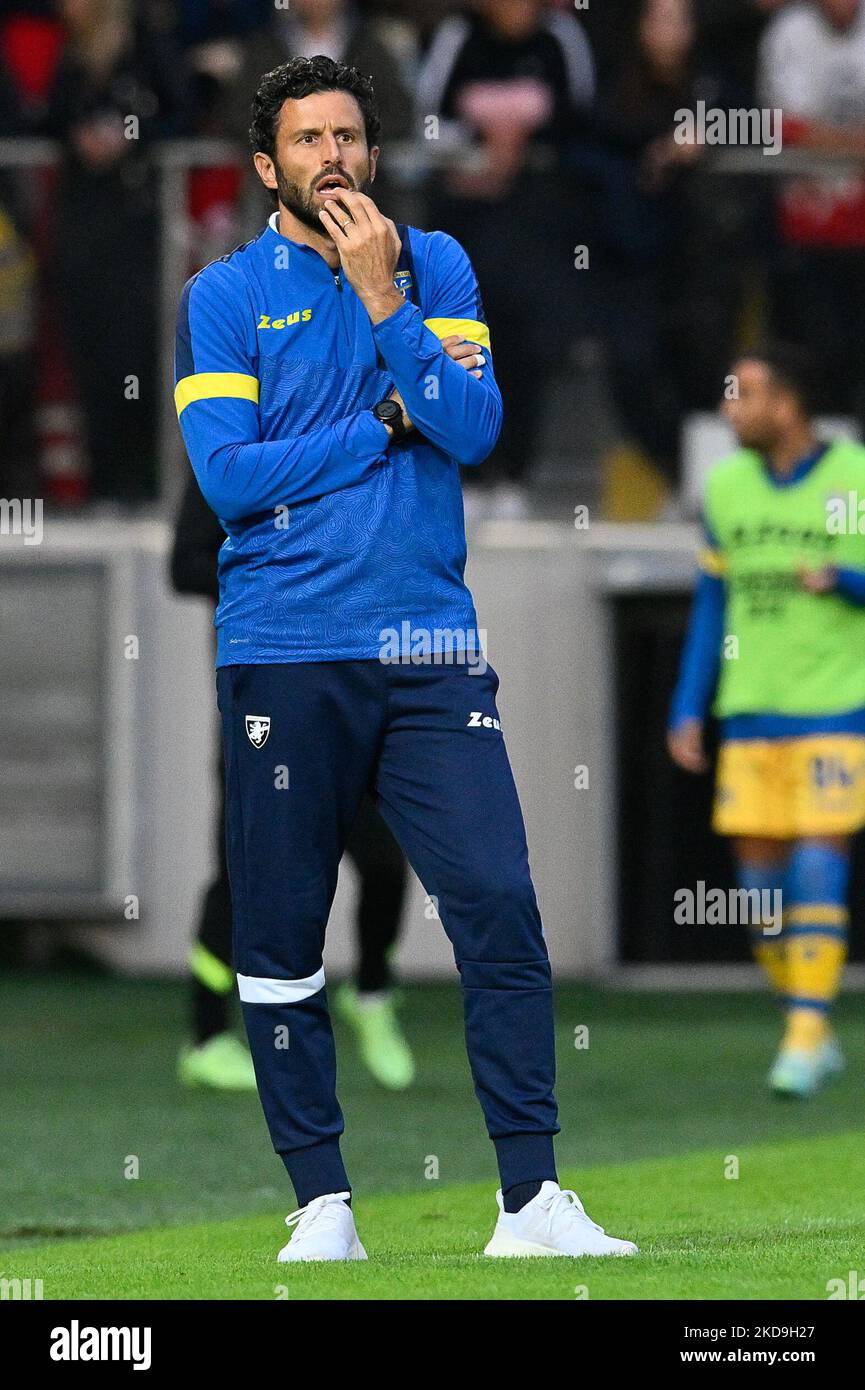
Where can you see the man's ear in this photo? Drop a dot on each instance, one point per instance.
(373, 162)
(265, 170)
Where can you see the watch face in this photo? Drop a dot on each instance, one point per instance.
(387, 410)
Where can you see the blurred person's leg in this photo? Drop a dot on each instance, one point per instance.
(382, 871)
(216, 1058)
(367, 1004)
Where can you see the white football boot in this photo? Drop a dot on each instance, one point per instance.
(325, 1230)
(553, 1223)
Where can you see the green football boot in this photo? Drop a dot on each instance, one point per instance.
(381, 1043)
(222, 1064)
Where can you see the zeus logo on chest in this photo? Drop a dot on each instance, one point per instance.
(299, 316)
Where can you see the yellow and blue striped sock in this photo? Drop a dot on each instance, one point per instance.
(815, 934)
(767, 948)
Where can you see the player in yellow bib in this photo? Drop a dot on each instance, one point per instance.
(776, 649)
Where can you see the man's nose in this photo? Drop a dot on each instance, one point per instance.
(329, 150)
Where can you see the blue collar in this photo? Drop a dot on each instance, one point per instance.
(316, 263)
(802, 469)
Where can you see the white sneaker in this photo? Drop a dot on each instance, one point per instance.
(553, 1223)
(325, 1231)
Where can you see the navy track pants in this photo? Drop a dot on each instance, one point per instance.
(303, 742)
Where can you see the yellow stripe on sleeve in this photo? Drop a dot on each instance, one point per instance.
(470, 329)
(714, 562)
(817, 914)
(207, 385)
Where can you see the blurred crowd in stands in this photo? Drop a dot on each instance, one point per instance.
(545, 136)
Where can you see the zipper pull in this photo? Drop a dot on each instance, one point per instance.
(338, 283)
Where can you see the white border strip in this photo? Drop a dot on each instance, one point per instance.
(257, 989)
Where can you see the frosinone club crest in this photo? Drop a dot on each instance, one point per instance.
(257, 729)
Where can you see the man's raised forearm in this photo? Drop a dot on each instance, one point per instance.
(458, 413)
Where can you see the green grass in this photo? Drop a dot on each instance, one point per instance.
(791, 1221)
(669, 1086)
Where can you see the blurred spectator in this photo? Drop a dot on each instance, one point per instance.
(212, 33)
(667, 286)
(812, 65)
(728, 38)
(336, 29)
(639, 228)
(117, 89)
(514, 76)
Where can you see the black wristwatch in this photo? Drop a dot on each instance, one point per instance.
(390, 413)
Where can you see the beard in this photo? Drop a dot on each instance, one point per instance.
(763, 441)
(300, 201)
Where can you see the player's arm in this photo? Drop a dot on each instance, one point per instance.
(216, 395)
(457, 410)
(847, 583)
(700, 663)
(850, 584)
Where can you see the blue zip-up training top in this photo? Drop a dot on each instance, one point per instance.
(336, 537)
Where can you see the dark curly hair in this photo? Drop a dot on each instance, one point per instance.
(300, 77)
(793, 368)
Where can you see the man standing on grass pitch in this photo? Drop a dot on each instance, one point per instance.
(331, 376)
